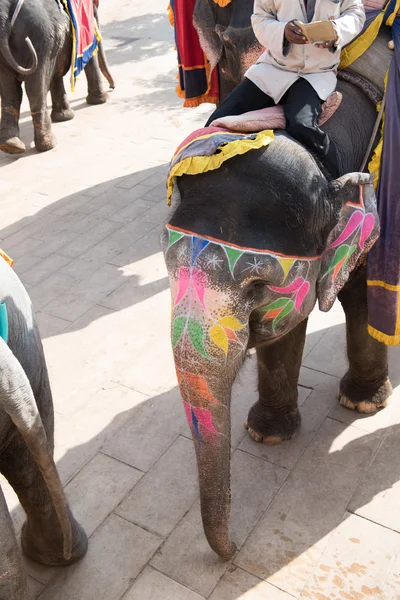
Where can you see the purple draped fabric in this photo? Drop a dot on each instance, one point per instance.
(384, 258)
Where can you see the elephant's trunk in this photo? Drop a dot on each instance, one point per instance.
(213, 460)
(206, 396)
(18, 401)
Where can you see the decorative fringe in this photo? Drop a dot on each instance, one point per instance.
(6, 257)
(193, 102)
(222, 3)
(194, 165)
(171, 16)
(374, 165)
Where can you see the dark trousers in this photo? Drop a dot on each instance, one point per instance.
(302, 107)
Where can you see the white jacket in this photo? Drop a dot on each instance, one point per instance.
(278, 67)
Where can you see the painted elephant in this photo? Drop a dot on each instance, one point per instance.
(249, 249)
(50, 534)
(37, 50)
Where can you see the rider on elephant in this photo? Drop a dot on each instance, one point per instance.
(294, 72)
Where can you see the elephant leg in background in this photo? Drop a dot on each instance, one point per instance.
(13, 579)
(37, 87)
(61, 110)
(11, 98)
(366, 386)
(275, 417)
(96, 93)
(41, 537)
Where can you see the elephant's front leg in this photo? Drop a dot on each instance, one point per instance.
(11, 98)
(13, 580)
(366, 386)
(275, 417)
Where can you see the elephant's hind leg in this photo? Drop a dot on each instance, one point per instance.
(366, 386)
(41, 538)
(275, 417)
(61, 110)
(11, 98)
(13, 579)
(37, 86)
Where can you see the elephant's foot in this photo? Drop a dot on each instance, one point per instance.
(352, 397)
(59, 115)
(12, 145)
(262, 427)
(94, 99)
(45, 142)
(50, 552)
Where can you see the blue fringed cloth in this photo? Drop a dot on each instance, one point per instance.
(85, 34)
(383, 265)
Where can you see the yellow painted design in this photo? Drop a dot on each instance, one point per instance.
(193, 165)
(286, 264)
(219, 337)
(231, 323)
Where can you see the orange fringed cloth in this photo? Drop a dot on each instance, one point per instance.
(196, 83)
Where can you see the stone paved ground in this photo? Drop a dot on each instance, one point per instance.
(317, 517)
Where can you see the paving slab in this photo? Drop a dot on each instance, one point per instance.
(237, 583)
(166, 492)
(117, 552)
(153, 585)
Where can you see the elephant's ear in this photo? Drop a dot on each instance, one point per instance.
(353, 235)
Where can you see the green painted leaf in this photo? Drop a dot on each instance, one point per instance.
(340, 253)
(174, 236)
(233, 256)
(285, 311)
(196, 336)
(351, 252)
(277, 304)
(177, 329)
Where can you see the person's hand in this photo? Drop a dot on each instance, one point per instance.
(328, 45)
(325, 45)
(294, 35)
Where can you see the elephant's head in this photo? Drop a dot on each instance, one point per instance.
(227, 37)
(303, 240)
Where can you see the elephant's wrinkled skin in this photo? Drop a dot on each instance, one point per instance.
(41, 64)
(50, 535)
(228, 298)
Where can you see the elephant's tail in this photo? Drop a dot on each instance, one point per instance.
(6, 52)
(19, 403)
(104, 66)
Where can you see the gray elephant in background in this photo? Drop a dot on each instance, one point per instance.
(50, 535)
(36, 49)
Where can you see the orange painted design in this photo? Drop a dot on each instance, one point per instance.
(271, 314)
(261, 251)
